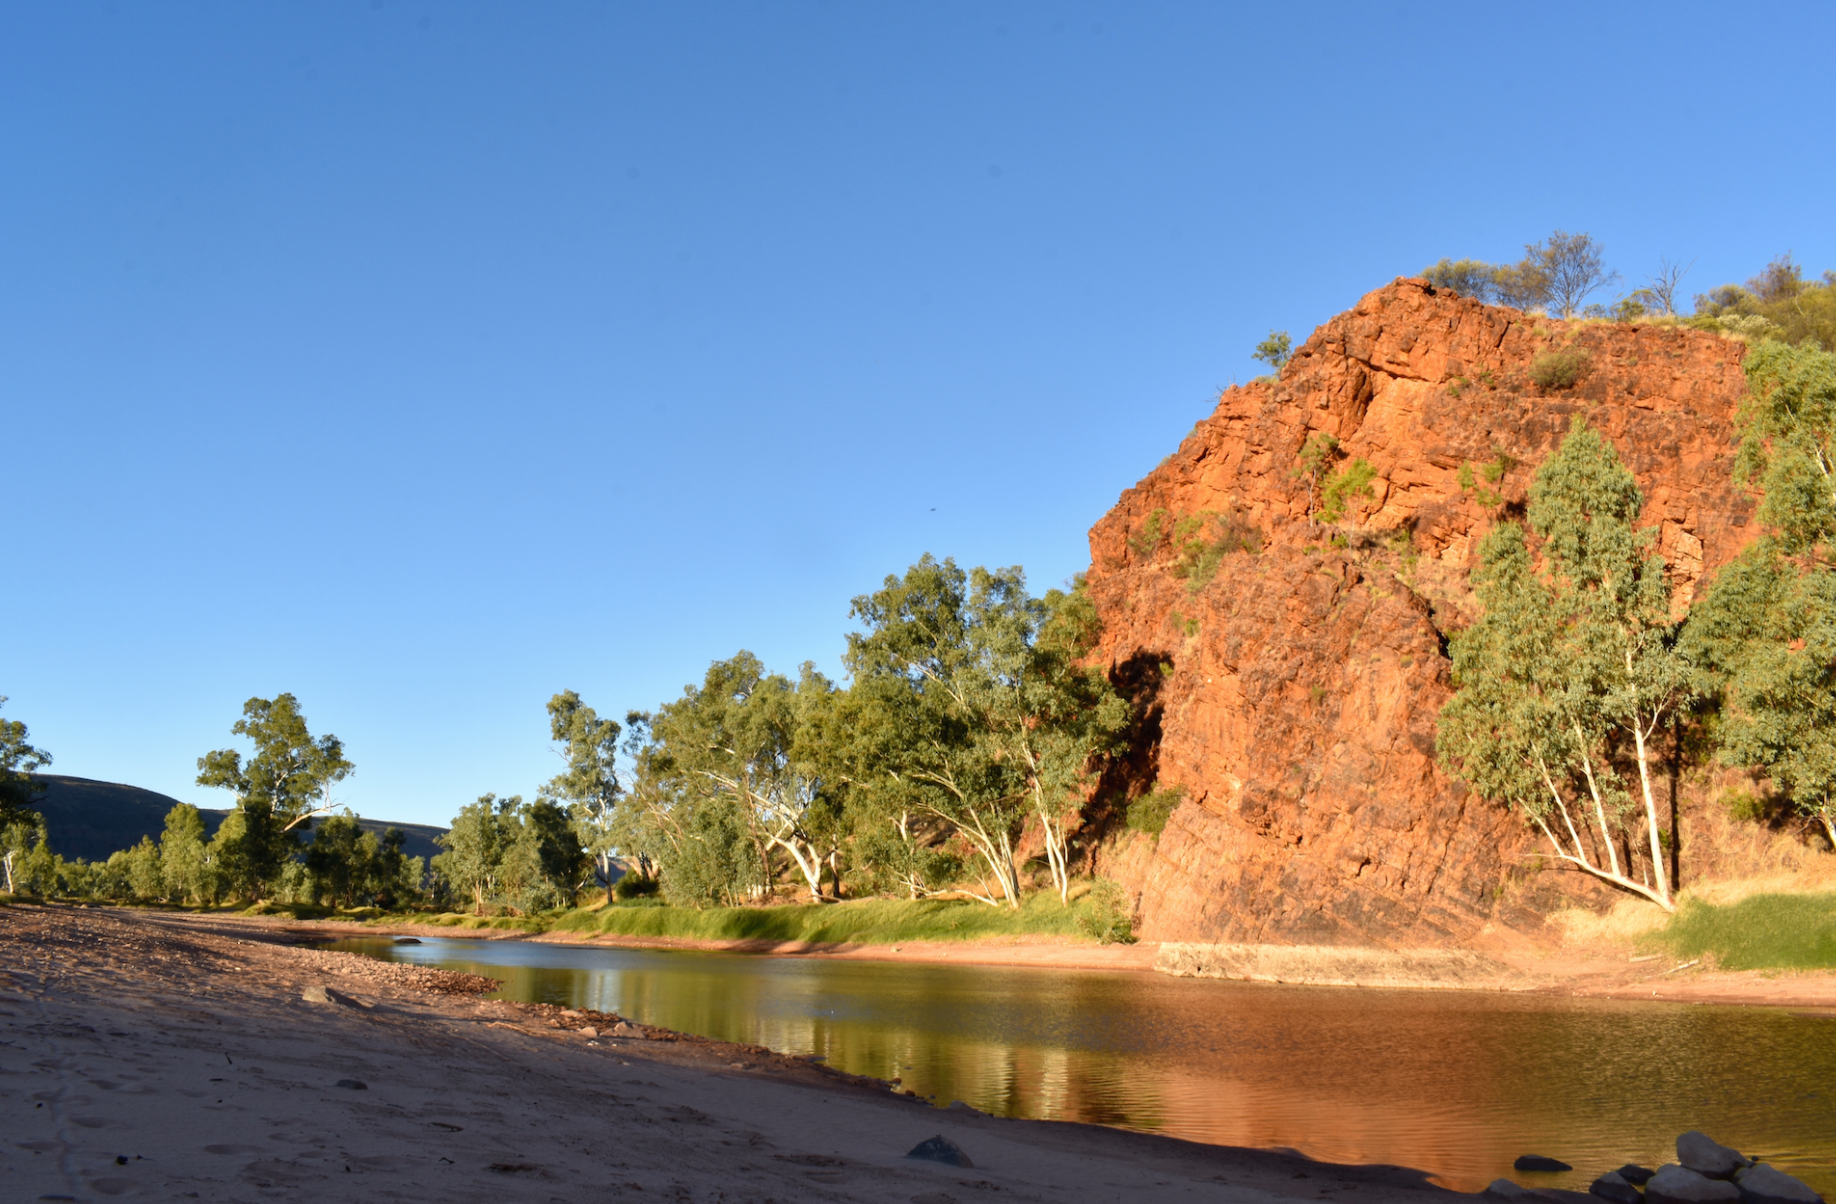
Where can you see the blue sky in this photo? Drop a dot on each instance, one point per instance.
(425, 359)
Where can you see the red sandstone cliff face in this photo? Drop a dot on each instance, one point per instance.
(1294, 695)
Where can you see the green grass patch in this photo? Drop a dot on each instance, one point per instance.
(1762, 932)
(864, 921)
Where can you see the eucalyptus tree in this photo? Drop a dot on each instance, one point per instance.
(1572, 670)
(18, 762)
(1766, 629)
(475, 845)
(282, 786)
(977, 717)
(18, 821)
(183, 856)
(590, 785)
(735, 739)
(543, 865)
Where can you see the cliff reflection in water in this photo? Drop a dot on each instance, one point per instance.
(1455, 1083)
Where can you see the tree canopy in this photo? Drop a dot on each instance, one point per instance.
(285, 783)
(18, 761)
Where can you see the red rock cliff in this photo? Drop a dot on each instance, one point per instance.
(1294, 694)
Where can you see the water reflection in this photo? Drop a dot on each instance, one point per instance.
(1455, 1083)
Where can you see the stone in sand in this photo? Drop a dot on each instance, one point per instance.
(1763, 1184)
(589, 1031)
(1613, 1186)
(353, 1084)
(1707, 1157)
(322, 994)
(941, 1149)
(1635, 1174)
(1673, 1184)
(1504, 1189)
(1537, 1162)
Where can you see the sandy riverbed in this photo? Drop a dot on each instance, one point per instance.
(173, 1057)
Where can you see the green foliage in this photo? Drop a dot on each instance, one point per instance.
(1201, 542)
(1316, 453)
(730, 774)
(285, 783)
(1779, 302)
(716, 863)
(1788, 441)
(1559, 273)
(971, 707)
(1469, 277)
(18, 761)
(1107, 917)
(590, 785)
(636, 886)
(1764, 635)
(184, 861)
(1761, 932)
(1570, 672)
(1354, 480)
(501, 852)
(1187, 626)
(1151, 811)
(1562, 369)
(29, 866)
(1275, 350)
(1148, 538)
(1745, 807)
(346, 866)
(865, 921)
(1493, 471)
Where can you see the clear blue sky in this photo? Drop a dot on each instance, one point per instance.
(425, 359)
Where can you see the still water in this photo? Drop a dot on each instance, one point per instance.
(1455, 1083)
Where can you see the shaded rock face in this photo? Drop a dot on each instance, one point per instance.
(1293, 691)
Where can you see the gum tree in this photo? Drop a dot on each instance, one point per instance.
(590, 785)
(979, 708)
(283, 785)
(734, 739)
(1766, 630)
(1572, 671)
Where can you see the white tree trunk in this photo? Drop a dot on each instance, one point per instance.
(1658, 871)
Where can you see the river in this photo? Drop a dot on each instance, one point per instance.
(1453, 1082)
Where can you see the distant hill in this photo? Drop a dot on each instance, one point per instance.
(91, 819)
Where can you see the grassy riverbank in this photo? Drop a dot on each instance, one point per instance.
(864, 921)
(1760, 932)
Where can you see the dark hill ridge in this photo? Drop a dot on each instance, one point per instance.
(91, 819)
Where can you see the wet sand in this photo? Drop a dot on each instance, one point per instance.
(174, 1057)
